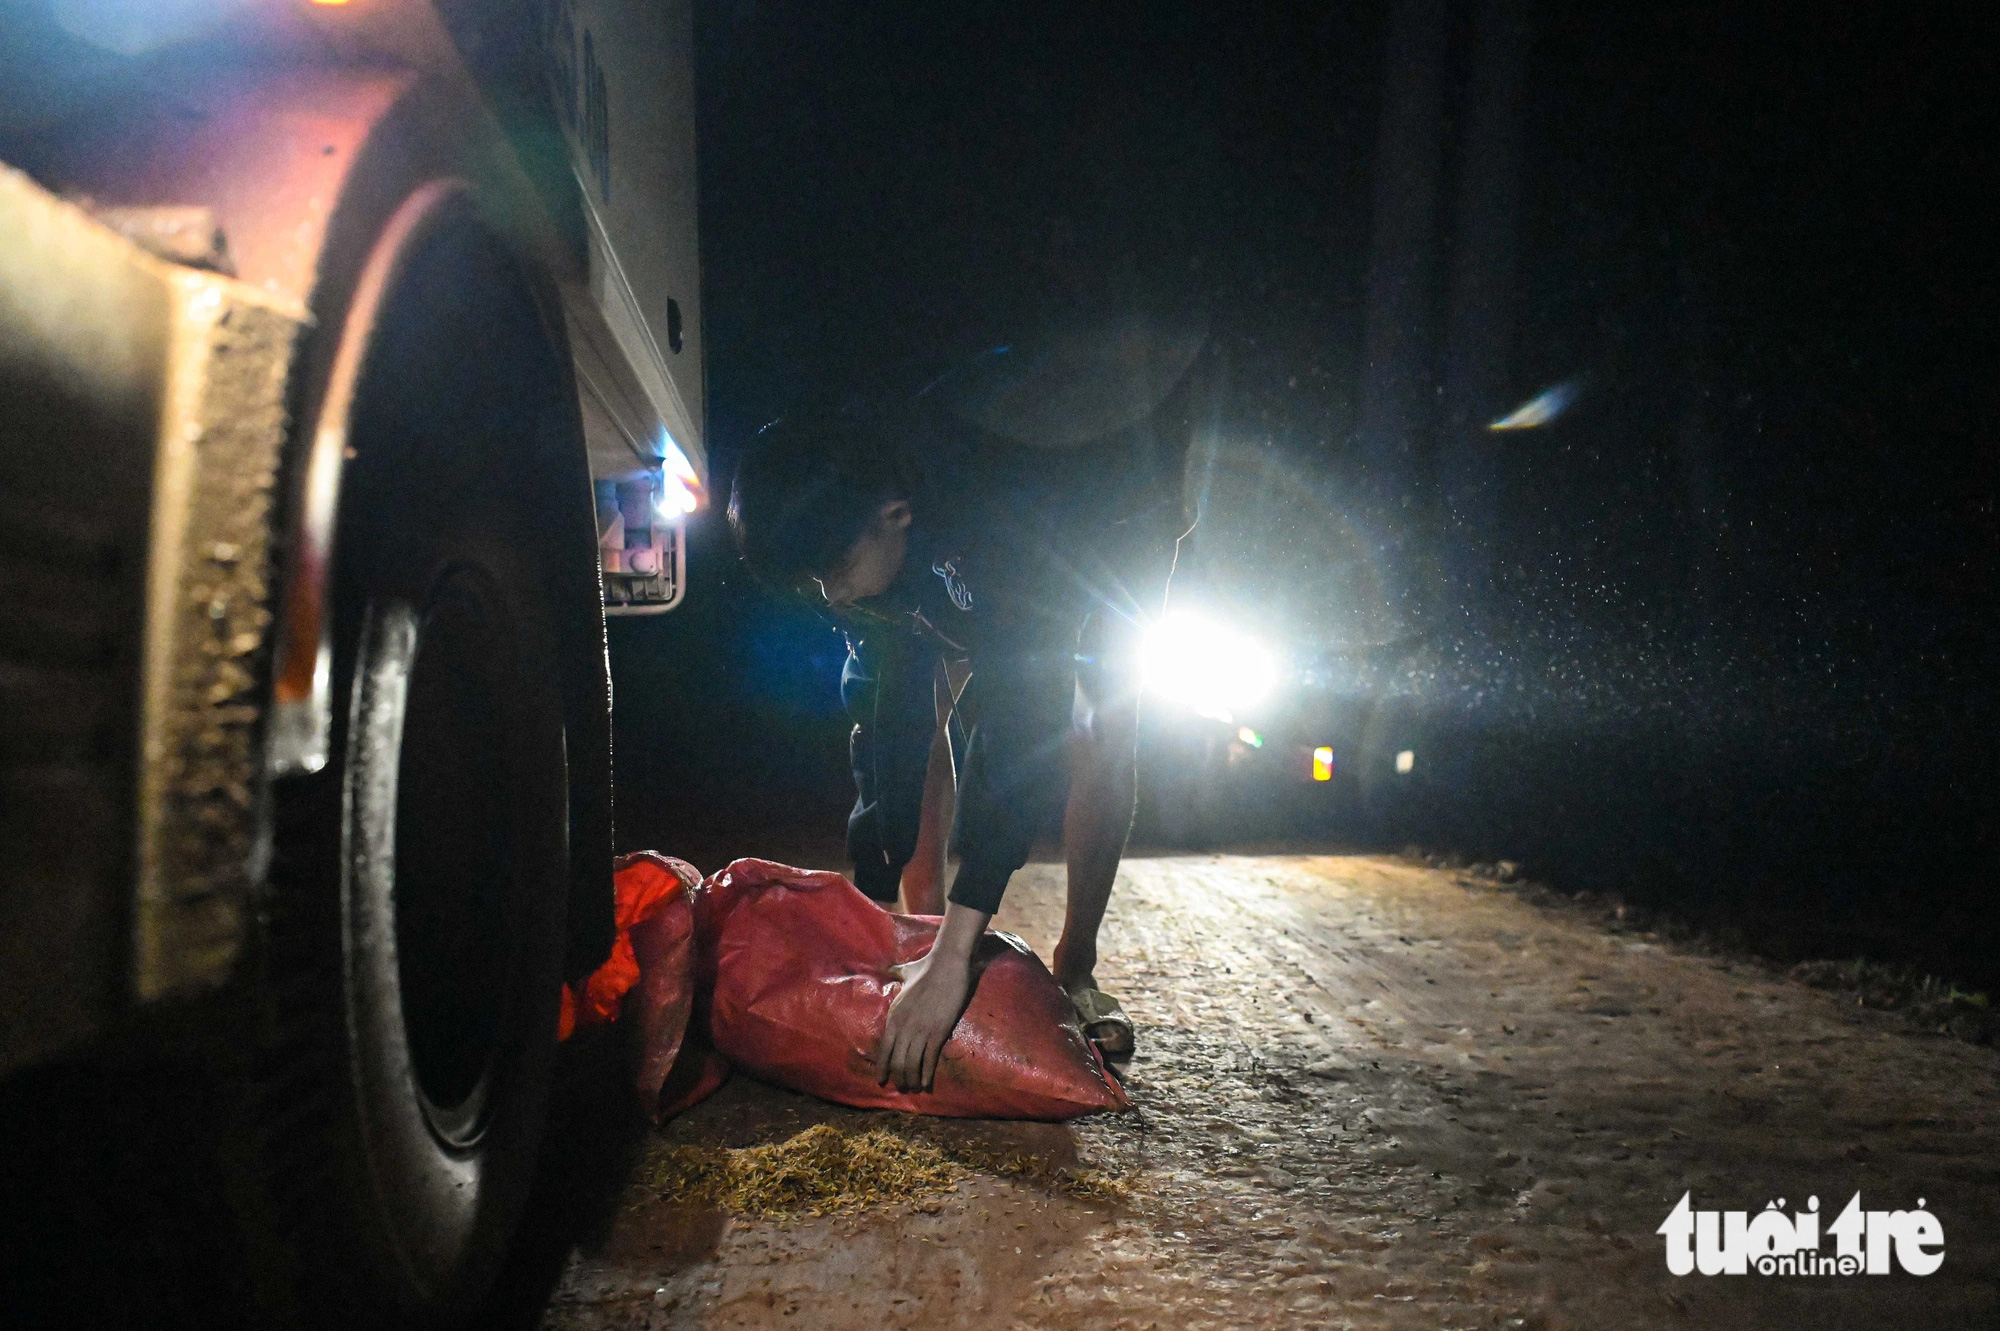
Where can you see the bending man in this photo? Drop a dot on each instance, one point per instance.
(1035, 571)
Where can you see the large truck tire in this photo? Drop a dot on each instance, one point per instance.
(407, 981)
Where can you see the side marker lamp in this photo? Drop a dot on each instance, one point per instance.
(1323, 763)
(680, 489)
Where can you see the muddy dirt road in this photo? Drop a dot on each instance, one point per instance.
(1368, 1094)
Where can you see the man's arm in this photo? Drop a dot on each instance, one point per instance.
(1020, 699)
(935, 990)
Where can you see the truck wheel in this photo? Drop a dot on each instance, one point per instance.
(414, 939)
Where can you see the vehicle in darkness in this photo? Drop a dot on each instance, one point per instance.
(350, 374)
(1286, 686)
(1245, 738)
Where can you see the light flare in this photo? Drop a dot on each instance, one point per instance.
(1541, 409)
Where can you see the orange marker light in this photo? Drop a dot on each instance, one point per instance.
(1322, 764)
(329, 2)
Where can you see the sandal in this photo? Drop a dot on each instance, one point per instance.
(1104, 1022)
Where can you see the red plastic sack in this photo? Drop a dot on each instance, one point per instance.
(795, 964)
(650, 975)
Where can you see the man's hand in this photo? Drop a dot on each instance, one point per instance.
(936, 988)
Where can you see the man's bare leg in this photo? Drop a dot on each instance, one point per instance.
(923, 876)
(1103, 785)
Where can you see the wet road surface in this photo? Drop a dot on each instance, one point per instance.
(1369, 1093)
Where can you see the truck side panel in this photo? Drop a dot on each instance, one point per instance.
(622, 79)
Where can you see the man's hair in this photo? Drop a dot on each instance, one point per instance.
(808, 487)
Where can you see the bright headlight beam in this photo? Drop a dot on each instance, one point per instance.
(1214, 670)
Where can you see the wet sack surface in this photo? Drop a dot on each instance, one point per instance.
(1368, 1093)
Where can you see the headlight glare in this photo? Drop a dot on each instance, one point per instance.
(1215, 670)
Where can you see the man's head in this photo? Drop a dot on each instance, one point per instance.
(824, 499)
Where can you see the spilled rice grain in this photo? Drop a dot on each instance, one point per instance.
(828, 1170)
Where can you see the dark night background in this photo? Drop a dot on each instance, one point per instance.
(1719, 638)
